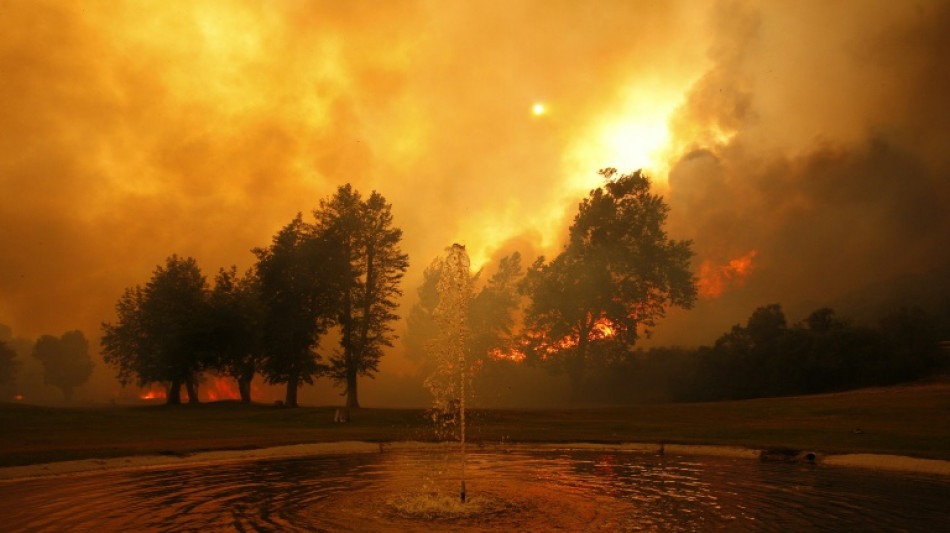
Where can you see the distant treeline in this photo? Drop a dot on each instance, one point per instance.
(25, 366)
(768, 357)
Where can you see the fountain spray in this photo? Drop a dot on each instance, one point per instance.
(447, 383)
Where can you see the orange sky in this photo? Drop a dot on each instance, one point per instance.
(814, 134)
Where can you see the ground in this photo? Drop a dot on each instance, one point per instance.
(904, 421)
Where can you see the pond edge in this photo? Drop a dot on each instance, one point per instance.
(894, 463)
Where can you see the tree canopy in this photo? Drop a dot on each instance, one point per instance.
(614, 279)
(299, 276)
(491, 311)
(822, 353)
(159, 335)
(235, 328)
(363, 233)
(66, 362)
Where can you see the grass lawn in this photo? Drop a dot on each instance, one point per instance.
(909, 420)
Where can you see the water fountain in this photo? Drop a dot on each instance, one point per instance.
(448, 350)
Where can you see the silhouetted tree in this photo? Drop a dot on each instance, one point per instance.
(491, 315)
(299, 276)
(235, 328)
(66, 362)
(420, 326)
(823, 353)
(363, 233)
(619, 267)
(912, 339)
(160, 332)
(8, 364)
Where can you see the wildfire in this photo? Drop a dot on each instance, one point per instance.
(217, 388)
(602, 329)
(713, 279)
(220, 388)
(152, 394)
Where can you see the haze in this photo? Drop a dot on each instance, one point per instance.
(800, 145)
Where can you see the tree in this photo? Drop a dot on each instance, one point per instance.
(234, 326)
(364, 234)
(66, 361)
(614, 279)
(300, 291)
(159, 335)
(491, 313)
(913, 344)
(420, 325)
(8, 364)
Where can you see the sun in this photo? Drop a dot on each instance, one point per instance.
(538, 109)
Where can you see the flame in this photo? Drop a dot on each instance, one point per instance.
(152, 394)
(220, 388)
(514, 354)
(602, 329)
(713, 279)
(18, 397)
(216, 389)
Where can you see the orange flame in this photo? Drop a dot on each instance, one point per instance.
(18, 397)
(713, 279)
(220, 388)
(602, 329)
(152, 394)
(216, 389)
(514, 354)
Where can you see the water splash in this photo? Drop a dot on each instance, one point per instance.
(449, 349)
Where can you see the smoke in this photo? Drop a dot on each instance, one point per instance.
(817, 141)
(810, 132)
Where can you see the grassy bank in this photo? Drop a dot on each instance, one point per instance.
(904, 420)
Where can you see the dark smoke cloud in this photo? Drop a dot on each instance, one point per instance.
(830, 163)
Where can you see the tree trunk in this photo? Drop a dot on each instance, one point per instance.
(67, 393)
(192, 387)
(353, 362)
(290, 400)
(174, 393)
(244, 388)
(352, 401)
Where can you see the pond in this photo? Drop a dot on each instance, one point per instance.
(521, 490)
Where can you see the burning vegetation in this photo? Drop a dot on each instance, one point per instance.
(714, 279)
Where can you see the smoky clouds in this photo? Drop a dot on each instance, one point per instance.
(822, 148)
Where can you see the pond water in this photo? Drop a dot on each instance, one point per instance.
(518, 491)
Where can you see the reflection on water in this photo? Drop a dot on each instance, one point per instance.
(518, 491)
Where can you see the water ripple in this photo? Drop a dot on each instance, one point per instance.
(522, 491)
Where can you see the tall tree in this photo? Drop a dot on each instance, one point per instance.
(613, 280)
(66, 362)
(235, 327)
(299, 277)
(158, 336)
(363, 231)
